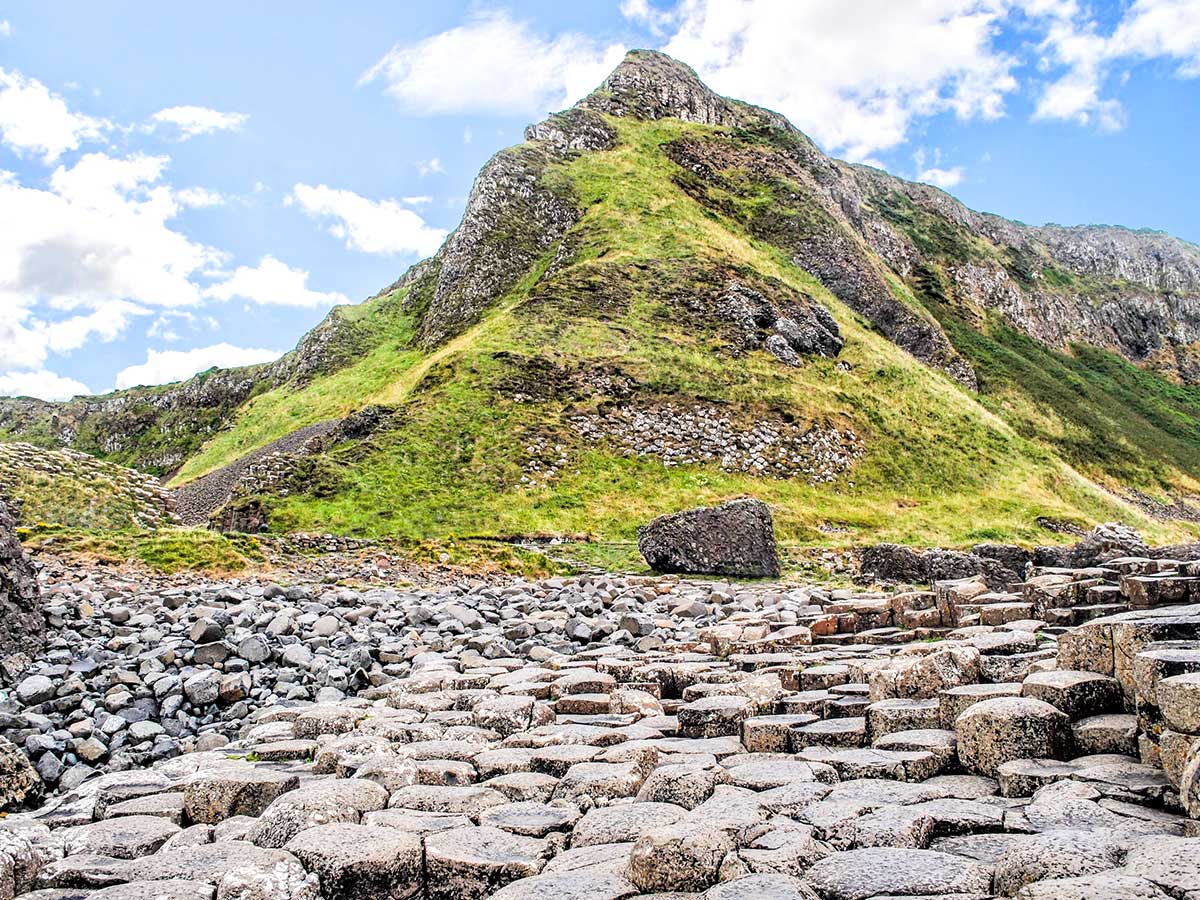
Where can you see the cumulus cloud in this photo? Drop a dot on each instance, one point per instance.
(190, 121)
(495, 65)
(1149, 29)
(41, 384)
(199, 198)
(934, 173)
(5, 28)
(273, 283)
(856, 83)
(166, 366)
(35, 120)
(371, 226)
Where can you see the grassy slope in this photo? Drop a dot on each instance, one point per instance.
(940, 468)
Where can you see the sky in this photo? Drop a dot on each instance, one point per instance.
(185, 185)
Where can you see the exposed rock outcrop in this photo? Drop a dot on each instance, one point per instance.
(22, 625)
(736, 538)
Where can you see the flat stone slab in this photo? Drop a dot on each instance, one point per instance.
(879, 871)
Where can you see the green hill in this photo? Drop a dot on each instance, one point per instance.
(660, 275)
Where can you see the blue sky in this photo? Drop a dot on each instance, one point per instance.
(184, 186)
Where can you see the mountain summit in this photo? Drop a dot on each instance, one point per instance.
(665, 297)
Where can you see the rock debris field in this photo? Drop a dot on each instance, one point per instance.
(605, 737)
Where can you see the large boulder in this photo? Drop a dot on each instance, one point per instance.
(1003, 729)
(736, 538)
(22, 625)
(20, 784)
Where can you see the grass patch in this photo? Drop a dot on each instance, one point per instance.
(165, 550)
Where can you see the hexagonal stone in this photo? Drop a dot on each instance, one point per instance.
(568, 886)
(1178, 698)
(327, 802)
(623, 822)
(468, 800)
(355, 861)
(879, 871)
(530, 819)
(898, 714)
(954, 701)
(761, 887)
(762, 775)
(1057, 854)
(1173, 864)
(1114, 733)
(208, 862)
(686, 785)
(165, 806)
(174, 889)
(714, 716)
(942, 744)
(212, 798)
(996, 731)
(1103, 886)
(685, 856)
(1078, 694)
(1022, 777)
(125, 837)
(771, 734)
(848, 732)
(318, 720)
(471, 863)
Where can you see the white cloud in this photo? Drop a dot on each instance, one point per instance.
(430, 167)
(273, 283)
(855, 83)
(934, 173)
(1149, 29)
(34, 120)
(493, 65)
(196, 120)
(200, 198)
(41, 384)
(166, 366)
(370, 226)
(5, 28)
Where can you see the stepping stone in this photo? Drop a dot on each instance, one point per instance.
(610, 859)
(623, 823)
(942, 744)
(319, 720)
(166, 806)
(557, 759)
(1023, 777)
(355, 861)
(996, 731)
(342, 800)
(174, 889)
(1178, 697)
(900, 765)
(878, 871)
(837, 733)
(213, 798)
(887, 716)
(1103, 886)
(567, 886)
(470, 800)
(1109, 733)
(685, 856)
(1173, 864)
(714, 716)
(1078, 694)
(209, 863)
(771, 734)
(761, 887)
(767, 774)
(521, 786)
(471, 863)
(954, 701)
(530, 819)
(124, 837)
(1057, 855)
(686, 784)
(414, 821)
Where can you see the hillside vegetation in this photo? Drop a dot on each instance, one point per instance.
(661, 274)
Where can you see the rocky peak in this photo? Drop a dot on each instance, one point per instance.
(651, 85)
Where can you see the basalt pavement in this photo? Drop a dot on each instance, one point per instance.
(605, 737)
